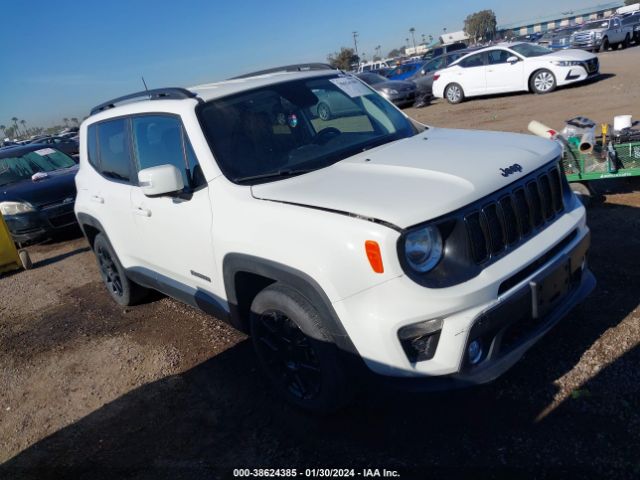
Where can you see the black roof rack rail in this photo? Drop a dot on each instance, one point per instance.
(155, 94)
(298, 67)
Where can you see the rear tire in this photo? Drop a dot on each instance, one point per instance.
(296, 352)
(454, 93)
(123, 291)
(627, 40)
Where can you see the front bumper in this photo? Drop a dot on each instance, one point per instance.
(373, 318)
(32, 226)
(401, 98)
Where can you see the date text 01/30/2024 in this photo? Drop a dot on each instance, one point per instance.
(316, 472)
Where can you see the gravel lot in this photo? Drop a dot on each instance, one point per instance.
(91, 390)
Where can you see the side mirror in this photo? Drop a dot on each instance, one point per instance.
(513, 59)
(160, 180)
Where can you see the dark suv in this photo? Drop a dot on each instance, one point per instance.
(442, 49)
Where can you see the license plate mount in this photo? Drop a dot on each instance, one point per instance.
(549, 289)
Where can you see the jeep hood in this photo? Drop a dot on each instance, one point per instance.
(409, 181)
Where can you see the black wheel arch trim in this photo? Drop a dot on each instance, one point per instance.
(235, 263)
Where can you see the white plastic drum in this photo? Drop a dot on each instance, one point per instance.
(620, 122)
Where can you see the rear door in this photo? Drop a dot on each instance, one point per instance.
(471, 74)
(110, 191)
(173, 231)
(503, 76)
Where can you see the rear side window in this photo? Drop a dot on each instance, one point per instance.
(92, 147)
(115, 152)
(472, 61)
(161, 140)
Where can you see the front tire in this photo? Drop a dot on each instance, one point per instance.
(605, 45)
(584, 193)
(295, 351)
(454, 93)
(324, 112)
(543, 81)
(123, 291)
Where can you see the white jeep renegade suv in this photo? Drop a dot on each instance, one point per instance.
(435, 258)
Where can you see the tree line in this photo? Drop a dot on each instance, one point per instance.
(479, 26)
(18, 129)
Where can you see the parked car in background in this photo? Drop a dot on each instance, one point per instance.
(559, 39)
(399, 92)
(404, 71)
(632, 21)
(332, 103)
(512, 67)
(423, 78)
(369, 66)
(600, 35)
(37, 191)
(64, 144)
(442, 49)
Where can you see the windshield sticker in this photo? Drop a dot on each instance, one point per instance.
(350, 86)
(44, 151)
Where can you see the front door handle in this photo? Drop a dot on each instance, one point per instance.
(143, 212)
(97, 199)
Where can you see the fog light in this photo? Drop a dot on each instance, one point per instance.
(474, 352)
(420, 340)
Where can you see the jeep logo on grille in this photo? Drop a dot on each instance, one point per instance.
(510, 170)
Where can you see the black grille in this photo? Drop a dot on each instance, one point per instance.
(526, 206)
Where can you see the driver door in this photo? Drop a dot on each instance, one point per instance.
(174, 231)
(503, 76)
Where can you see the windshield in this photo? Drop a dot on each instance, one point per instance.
(530, 50)
(298, 126)
(14, 169)
(372, 78)
(596, 25)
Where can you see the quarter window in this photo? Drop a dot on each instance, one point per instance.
(472, 61)
(160, 140)
(115, 154)
(92, 147)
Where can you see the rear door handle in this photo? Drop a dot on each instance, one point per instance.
(97, 199)
(143, 212)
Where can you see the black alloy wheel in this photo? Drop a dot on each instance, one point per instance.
(288, 355)
(109, 271)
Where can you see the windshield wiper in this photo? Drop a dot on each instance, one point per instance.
(277, 174)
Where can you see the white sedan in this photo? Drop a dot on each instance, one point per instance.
(513, 67)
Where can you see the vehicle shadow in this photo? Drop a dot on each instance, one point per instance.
(58, 258)
(222, 415)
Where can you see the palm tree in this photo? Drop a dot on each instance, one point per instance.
(413, 31)
(75, 120)
(24, 126)
(4, 130)
(66, 121)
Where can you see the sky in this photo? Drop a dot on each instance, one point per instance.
(60, 58)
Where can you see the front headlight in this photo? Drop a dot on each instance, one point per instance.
(598, 35)
(423, 249)
(567, 63)
(15, 208)
(390, 91)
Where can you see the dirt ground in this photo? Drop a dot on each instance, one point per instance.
(92, 390)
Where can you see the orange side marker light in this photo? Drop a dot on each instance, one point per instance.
(373, 254)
